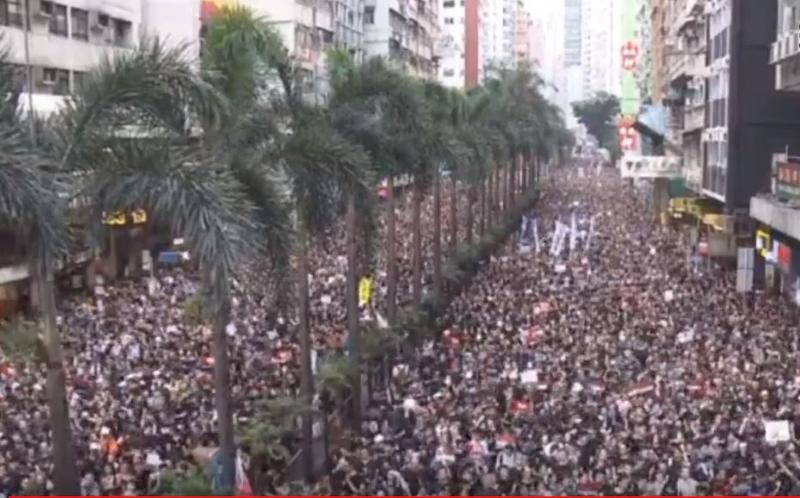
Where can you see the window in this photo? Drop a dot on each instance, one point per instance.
(11, 13)
(369, 14)
(78, 78)
(57, 79)
(447, 73)
(80, 24)
(449, 3)
(102, 20)
(449, 20)
(122, 31)
(58, 18)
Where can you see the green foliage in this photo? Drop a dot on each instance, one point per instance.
(193, 483)
(22, 340)
(597, 114)
(335, 374)
(274, 420)
(193, 313)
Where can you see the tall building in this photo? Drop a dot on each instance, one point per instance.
(776, 206)
(67, 38)
(498, 35)
(404, 32)
(597, 46)
(573, 32)
(451, 46)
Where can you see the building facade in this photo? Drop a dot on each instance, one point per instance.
(404, 32)
(451, 46)
(66, 39)
(776, 206)
(685, 84)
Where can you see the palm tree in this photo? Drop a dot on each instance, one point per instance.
(321, 164)
(164, 166)
(31, 207)
(378, 107)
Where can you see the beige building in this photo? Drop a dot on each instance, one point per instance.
(404, 32)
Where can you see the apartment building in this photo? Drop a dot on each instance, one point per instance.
(776, 205)
(66, 38)
(685, 84)
(404, 32)
(451, 46)
(309, 28)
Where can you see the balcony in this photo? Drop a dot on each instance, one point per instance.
(785, 56)
(694, 118)
(785, 47)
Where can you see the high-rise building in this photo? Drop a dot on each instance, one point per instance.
(404, 32)
(498, 34)
(573, 32)
(451, 46)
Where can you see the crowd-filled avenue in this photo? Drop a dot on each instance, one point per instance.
(613, 367)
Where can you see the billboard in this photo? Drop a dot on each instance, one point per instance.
(651, 167)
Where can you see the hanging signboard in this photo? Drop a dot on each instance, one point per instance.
(630, 53)
(788, 180)
(634, 166)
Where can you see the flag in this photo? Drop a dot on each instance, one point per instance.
(243, 487)
(364, 291)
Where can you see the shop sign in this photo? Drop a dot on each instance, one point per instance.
(651, 167)
(788, 181)
(784, 256)
(763, 242)
(120, 218)
(630, 53)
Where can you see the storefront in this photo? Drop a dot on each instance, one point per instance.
(781, 258)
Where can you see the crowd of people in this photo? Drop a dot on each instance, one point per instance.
(616, 369)
(139, 372)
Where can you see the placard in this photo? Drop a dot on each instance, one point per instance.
(777, 431)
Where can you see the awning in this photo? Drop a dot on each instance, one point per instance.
(652, 121)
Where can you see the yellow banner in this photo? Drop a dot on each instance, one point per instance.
(364, 291)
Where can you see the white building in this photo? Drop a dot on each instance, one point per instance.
(66, 38)
(601, 39)
(498, 37)
(450, 47)
(403, 32)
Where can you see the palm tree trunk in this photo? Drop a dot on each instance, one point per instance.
(437, 233)
(391, 255)
(65, 472)
(489, 205)
(471, 195)
(482, 223)
(512, 166)
(352, 309)
(453, 212)
(416, 276)
(306, 379)
(498, 198)
(222, 395)
(512, 181)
